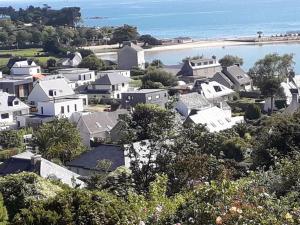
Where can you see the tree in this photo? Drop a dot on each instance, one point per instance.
(230, 60)
(259, 34)
(51, 63)
(3, 37)
(59, 139)
(92, 62)
(157, 63)
(253, 112)
(272, 66)
(22, 37)
(3, 212)
(52, 45)
(159, 76)
(269, 88)
(124, 33)
(149, 40)
(36, 37)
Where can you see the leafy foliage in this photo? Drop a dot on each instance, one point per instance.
(230, 60)
(158, 78)
(59, 139)
(92, 62)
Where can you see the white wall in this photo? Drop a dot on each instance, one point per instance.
(37, 95)
(26, 70)
(54, 109)
(10, 119)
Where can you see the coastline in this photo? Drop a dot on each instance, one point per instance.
(104, 50)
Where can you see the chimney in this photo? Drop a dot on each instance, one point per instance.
(36, 163)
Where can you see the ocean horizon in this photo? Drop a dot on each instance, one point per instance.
(199, 19)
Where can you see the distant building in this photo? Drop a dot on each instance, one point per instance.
(10, 108)
(26, 67)
(215, 119)
(54, 97)
(130, 56)
(183, 40)
(234, 77)
(109, 86)
(145, 96)
(193, 69)
(78, 76)
(73, 60)
(86, 164)
(125, 73)
(28, 162)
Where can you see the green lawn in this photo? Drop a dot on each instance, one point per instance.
(27, 53)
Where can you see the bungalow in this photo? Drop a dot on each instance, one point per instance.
(26, 67)
(215, 119)
(125, 73)
(54, 97)
(193, 69)
(213, 90)
(109, 86)
(145, 96)
(98, 125)
(87, 163)
(10, 108)
(130, 56)
(234, 77)
(72, 60)
(79, 76)
(192, 102)
(29, 162)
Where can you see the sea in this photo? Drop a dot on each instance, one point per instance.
(198, 19)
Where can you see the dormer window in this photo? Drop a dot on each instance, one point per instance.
(16, 102)
(217, 88)
(52, 93)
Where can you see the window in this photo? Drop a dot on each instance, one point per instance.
(118, 96)
(217, 88)
(129, 97)
(16, 102)
(84, 77)
(75, 106)
(38, 71)
(165, 94)
(199, 64)
(150, 98)
(211, 62)
(50, 92)
(62, 110)
(193, 64)
(5, 116)
(79, 77)
(123, 85)
(157, 96)
(205, 63)
(68, 108)
(42, 110)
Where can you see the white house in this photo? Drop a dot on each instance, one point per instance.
(54, 97)
(125, 73)
(25, 67)
(191, 102)
(215, 119)
(73, 60)
(79, 76)
(10, 108)
(109, 86)
(213, 90)
(131, 55)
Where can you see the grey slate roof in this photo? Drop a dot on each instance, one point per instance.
(101, 121)
(237, 73)
(225, 78)
(194, 100)
(112, 79)
(22, 163)
(90, 159)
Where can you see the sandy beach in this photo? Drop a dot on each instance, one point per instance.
(103, 50)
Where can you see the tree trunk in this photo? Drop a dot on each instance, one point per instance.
(272, 104)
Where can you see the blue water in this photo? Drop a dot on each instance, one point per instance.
(195, 18)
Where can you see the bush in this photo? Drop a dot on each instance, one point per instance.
(253, 112)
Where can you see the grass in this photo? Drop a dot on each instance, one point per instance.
(26, 53)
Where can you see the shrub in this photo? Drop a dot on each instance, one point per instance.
(253, 112)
